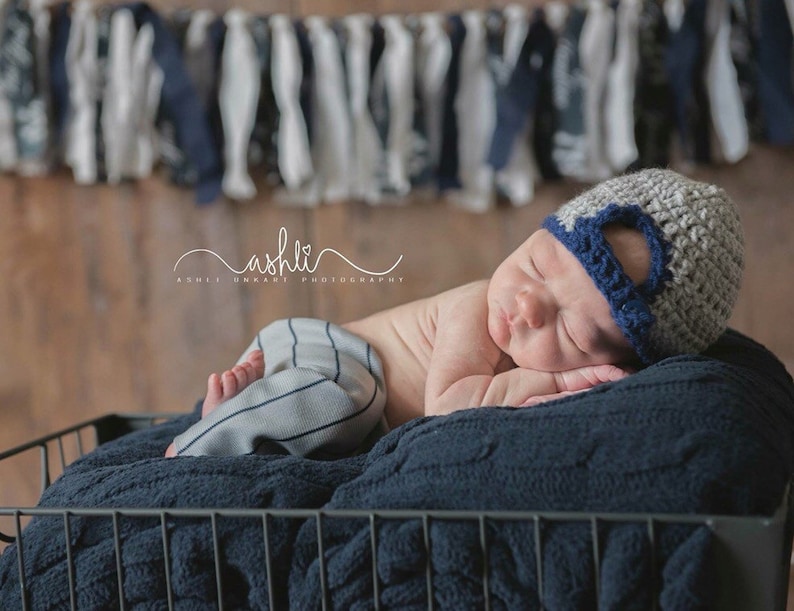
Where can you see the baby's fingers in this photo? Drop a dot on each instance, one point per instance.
(587, 377)
(532, 401)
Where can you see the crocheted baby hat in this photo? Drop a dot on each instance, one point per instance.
(697, 257)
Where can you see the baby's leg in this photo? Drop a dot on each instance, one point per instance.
(322, 392)
(233, 381)
(229, 384)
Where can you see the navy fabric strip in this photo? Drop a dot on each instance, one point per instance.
(181, 104)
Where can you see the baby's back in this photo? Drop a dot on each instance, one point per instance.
(403, 337)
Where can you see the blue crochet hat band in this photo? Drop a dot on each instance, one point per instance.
(629, 303)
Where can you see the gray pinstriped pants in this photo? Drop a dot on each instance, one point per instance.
(323, 392)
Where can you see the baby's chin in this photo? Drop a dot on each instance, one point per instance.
(538, 360)
(526, 361)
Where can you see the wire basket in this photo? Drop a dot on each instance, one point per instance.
(750, 554)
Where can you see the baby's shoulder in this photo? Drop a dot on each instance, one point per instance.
(471, 295)
(478, 288)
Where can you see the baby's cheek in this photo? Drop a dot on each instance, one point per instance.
(543, 354)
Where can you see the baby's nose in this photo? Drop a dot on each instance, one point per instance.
(534, 307)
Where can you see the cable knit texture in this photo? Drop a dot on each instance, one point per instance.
(690, 434)
(697, 257)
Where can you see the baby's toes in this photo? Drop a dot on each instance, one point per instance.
(229, 382)
(246, 376)
(257, 360)
(214, 394)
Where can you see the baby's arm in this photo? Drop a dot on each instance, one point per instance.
(468, 370)
(517, 387)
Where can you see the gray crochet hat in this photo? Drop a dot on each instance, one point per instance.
(697, 257)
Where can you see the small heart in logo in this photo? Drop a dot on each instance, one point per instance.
(307, 250)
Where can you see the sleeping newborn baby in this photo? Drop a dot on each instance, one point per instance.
(638, 268)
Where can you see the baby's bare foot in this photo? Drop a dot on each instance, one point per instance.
(228, 385)
(232, 382)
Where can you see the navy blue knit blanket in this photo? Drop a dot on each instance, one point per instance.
(706, 434)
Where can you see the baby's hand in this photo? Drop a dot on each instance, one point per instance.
(578, 380)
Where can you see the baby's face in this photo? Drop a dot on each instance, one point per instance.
(546, 313)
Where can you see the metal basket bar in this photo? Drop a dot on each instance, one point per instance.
(70, 570)
(47, 438)
(373, 538)
(596, 556)
(119, 566)
(711, 521)
(539, 560)
(652, 551)
(45, 468)
(104, 425)
(79, 443)
(486, 586)
(748, 529)
(104, 429)
(321, 559)
(428, 563)
(61, 453)
(216, 549)
(268, 560)
(169, 588)
(23, 584)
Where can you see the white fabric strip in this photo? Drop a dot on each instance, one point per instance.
(516, 30)
(556, 13)
(434, 52)
(8, 145)
(130, 100)
(475, 110)
(199, 58)
(82, 72)
(147, 85)
(331, 149)
(595, 49)
(294, 157)
(725, 98)
(398, 65)
(621, 146)
(674, 13)
(238, 97)
(367, 153)
(117, 110)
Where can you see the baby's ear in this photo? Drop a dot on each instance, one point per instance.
(631, 250)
